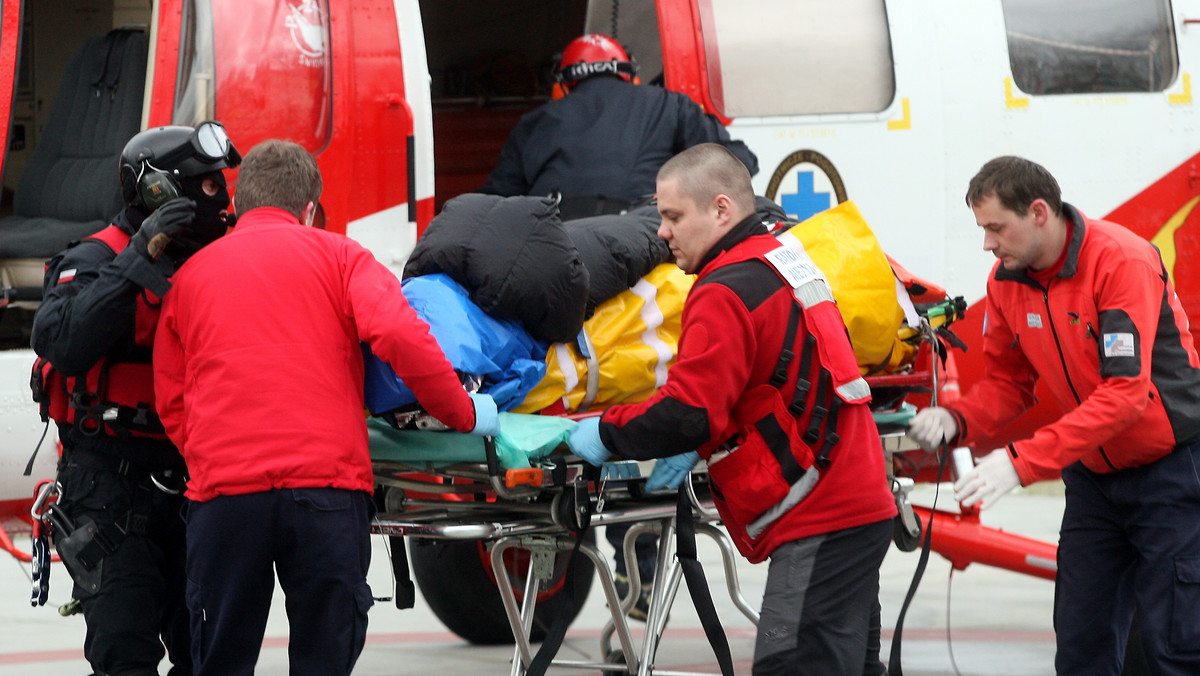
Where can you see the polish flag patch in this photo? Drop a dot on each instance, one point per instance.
(66, 275)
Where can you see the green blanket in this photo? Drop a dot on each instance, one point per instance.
(523, 437)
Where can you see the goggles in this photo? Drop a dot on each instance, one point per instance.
(208, 143)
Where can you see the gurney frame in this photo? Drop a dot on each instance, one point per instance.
(547, 520)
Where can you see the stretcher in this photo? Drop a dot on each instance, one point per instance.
(526, 494)
(452, 487)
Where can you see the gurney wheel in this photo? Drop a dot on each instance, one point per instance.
(455, 580)
(564, 512)
(905, 541)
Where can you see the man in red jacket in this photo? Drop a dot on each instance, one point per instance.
(1088, 308)
(259, 381)
(792, 449)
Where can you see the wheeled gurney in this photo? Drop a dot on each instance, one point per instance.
(444, 486)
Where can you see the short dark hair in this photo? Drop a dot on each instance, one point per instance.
(1016, 182)
(707, 170)
(278, 174)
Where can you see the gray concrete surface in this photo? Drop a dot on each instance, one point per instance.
(983, 620)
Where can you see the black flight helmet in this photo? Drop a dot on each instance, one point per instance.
(156, 162)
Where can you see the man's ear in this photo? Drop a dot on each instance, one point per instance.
(1041, 211)
(308, 214)
(724, 208)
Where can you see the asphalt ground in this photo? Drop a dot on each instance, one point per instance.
(980, 621)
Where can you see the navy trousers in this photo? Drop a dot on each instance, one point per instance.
(317, 540)
(1130, 540)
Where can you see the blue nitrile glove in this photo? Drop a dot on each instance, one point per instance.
(487, 418)
(670, 471)
(585, 441)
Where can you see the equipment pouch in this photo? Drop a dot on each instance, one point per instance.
(79, 557)
(49, 391)
(769, 458)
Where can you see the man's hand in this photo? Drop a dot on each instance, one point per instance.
(991, 480)
(167, 222)
(669, 472)
(487, 418)
(931, 427)
(585, 441)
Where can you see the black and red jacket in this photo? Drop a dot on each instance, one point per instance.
(96, 324)
(733, 332)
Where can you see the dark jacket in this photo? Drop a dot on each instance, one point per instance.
(513, 257)
(89, 311)
(607, 137)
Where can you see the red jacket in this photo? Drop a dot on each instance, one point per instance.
(258, 370)
(733, 328)
(1110, 340)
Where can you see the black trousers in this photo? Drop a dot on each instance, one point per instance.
(317, 539)
(137, 613)
(820, 612)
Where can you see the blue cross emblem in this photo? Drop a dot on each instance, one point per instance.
(805, 201)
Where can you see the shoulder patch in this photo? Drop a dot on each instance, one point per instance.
(1119, 345)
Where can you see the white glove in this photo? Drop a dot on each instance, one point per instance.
(991, 480)
(931, 426)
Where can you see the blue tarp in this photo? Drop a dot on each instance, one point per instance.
(500, 352)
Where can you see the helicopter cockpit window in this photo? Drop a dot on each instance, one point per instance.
(809, 56)
(261, 69)
(1091, 46)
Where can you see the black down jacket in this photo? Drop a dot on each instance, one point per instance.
(618, 250)
(515, 259)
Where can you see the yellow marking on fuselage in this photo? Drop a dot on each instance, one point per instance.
(1184, 97)
(904, 122)
(1164, 239)
(1011, 100)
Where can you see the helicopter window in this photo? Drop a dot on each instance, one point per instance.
(1089, 46)
(827, 57)
(261, 69)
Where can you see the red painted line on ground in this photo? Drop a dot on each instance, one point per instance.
(980, 635)
(42, 656)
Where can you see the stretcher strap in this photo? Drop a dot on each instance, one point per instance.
(693, 573)
(406, 593)
(894, 668)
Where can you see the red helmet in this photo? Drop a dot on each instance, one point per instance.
(593, 54)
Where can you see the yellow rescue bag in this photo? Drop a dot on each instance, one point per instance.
(842, 245)
(634, 338)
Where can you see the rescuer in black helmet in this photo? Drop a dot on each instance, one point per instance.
(166, 163)
(116, 523)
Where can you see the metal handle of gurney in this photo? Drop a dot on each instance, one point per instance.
(701, 509)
